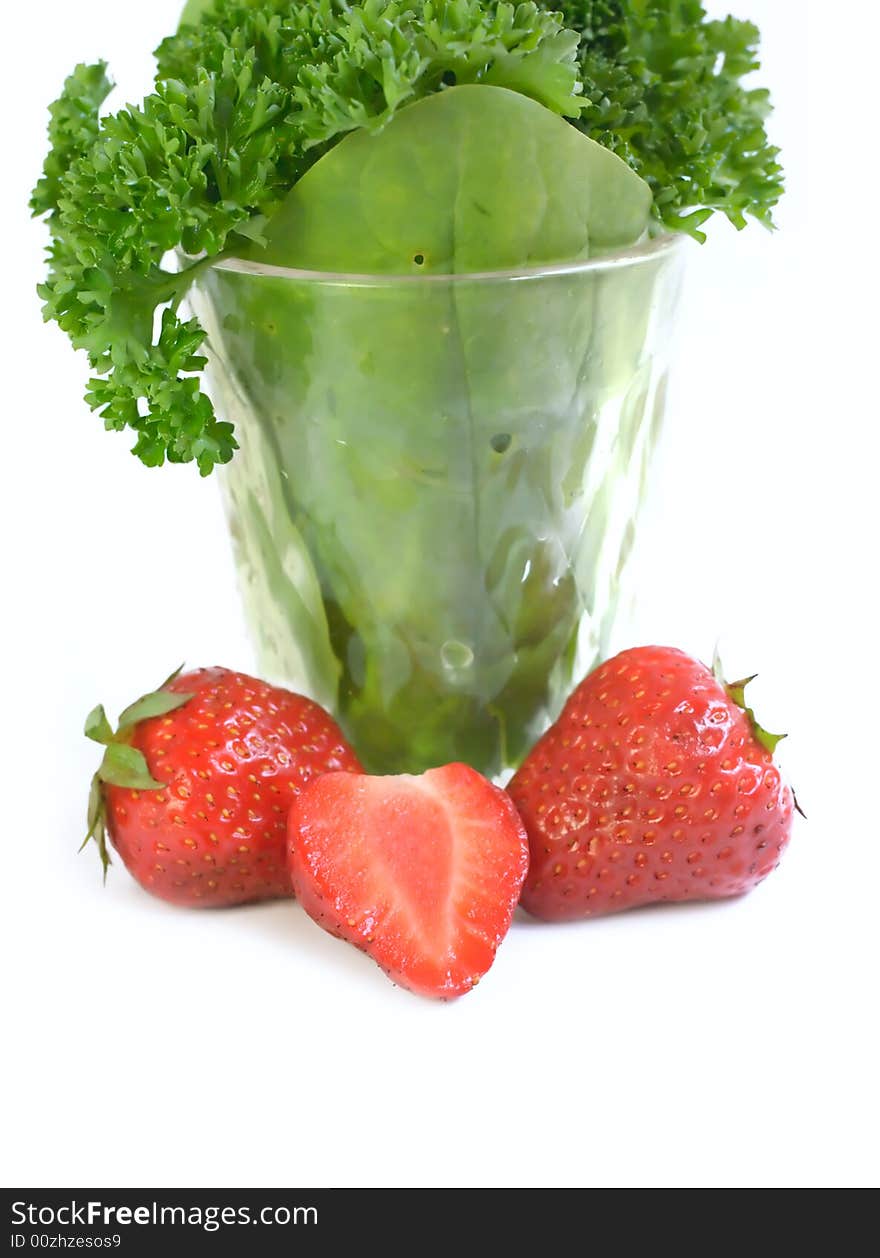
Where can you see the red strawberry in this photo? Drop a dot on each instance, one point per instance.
(422, 873)
(195, 786)
(654, 784)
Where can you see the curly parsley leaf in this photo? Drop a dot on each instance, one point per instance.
(73, 128)
(245, 101)
(663, 88)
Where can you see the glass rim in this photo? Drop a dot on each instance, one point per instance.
(633, 255)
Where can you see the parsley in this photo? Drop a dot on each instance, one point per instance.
(248, 97)
(663, 89)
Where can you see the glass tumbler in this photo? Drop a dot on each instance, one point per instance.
(438, 485)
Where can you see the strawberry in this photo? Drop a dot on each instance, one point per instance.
(656, 783)
(422, 873)
(195, 785)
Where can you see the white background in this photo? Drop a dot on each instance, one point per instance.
(726, 1045)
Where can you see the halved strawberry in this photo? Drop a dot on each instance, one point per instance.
(422, 873)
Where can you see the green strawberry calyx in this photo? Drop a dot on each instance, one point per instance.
(736, 691)
(122, 764)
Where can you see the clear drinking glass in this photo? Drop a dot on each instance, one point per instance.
(438, 484)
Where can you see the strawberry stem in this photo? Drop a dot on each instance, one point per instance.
(122, 764)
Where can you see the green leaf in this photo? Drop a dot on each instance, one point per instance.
(194, 11)
(433, 193)
(95, 809)
(669, 91)
(125, 766)
(158, 703)
(97, 727)
(736, 691)
(171, 677)
(73, 128)
(767, 740)
(96, 821)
